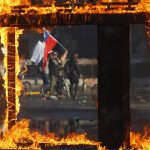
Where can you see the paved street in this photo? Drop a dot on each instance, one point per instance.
(84, 108)
(34, 107)
(62, 115)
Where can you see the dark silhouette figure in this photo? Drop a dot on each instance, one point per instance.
(73, 72)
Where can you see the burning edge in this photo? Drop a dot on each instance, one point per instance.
(72, 19)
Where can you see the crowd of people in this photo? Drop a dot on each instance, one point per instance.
(57, 68)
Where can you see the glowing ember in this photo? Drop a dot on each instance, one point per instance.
(139, 141)
(143, 6)
(17, 67)
(7, 5)
(4, 33)
(31, 139)
(21, 132)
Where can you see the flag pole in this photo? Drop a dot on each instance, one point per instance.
(56, 40)
(62, 46)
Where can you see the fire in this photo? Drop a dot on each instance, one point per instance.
(140, 141)
(17, 67)
(4, 33)
(20, 132)
(10, 3)
(143, 6)
(7, 5)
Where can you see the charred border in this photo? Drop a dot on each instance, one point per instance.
(36, 20)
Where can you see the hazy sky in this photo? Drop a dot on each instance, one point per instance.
(81, 39)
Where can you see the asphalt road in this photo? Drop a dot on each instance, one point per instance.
(58, 112)
(34, 107)
(84, 108)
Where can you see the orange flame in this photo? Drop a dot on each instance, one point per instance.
(140, 141)
(6, 6)
(4, 32)
(17, 66)
(21, 131)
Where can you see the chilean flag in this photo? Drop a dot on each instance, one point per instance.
(50, 43)
(38, 52)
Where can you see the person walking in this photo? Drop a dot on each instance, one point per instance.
(73, 72)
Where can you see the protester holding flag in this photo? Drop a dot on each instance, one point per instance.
(60, 78)
(41, 52)
(37, 58)
(56, 72)
(50, 43)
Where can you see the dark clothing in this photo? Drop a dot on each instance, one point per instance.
(53, 83)
(44, 75)
(60, 83)
(45, 78)
(53, 73)
(73, 72)
(53, 67)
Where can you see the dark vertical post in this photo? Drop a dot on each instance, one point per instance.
(11, 79)
(114, 109)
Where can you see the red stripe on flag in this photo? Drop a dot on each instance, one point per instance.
(49, 45)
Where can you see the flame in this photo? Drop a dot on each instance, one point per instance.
(21, 131)
(4, 32)
(4, 3)
(143, 6)
(17, 71)
(140, 141)
(7, 5)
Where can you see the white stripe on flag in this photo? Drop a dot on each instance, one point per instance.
(38, 52)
